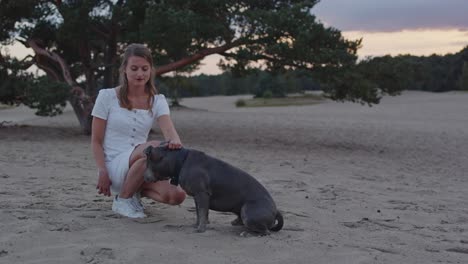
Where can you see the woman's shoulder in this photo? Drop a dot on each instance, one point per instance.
(108, 91)
(160, 105)
(158, 97)
(159, 101)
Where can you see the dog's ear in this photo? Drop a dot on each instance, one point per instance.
(148, 150)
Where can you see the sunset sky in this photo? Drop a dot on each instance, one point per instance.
(418, 27)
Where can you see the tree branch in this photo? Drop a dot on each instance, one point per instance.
(51, 72)
(54, 57)
(80, 101)
(197, 56)
(100, 32)
(272, 59)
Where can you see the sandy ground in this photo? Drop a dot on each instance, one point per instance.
(386, 184)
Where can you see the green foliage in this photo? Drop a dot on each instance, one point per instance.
(352, 86)
(270, 86)
(293, 100)
(173, 88)
(267, 94)
(240, 103)
(228, 84)
(283, 38)
(47, 96)
(20, 87)
(13, 81)
(90, 35)
(404, 72)
(12, 12)
(463, 80)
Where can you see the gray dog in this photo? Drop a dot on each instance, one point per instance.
(215, 185)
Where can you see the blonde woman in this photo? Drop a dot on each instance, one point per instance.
(122, 119)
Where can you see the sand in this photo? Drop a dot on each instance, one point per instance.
(385, 184)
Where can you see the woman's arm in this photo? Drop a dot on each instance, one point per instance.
(169, 132)
(97, 139)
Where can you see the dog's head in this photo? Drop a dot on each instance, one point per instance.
(158, 166)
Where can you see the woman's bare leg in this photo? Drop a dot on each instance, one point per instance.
(161, 191)
(134, 179)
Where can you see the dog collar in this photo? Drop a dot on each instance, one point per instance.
(181, 157)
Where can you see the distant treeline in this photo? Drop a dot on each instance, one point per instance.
(404, 72)
(259, 83)
(430, 73)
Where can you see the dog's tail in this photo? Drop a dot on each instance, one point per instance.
(279, 222)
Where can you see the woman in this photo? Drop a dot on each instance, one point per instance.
(122, 119)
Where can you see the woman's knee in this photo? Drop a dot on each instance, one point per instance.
(138, 162)
(177, 197)
(138, 152)
(164, 193)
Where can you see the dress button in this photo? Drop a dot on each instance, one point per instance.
(134, 119)
(134, 111)
(133, 144)
(134, 129)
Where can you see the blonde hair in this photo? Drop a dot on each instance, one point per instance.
(138, 50)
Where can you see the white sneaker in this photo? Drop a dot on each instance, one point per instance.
(137, 202)
(126, 208)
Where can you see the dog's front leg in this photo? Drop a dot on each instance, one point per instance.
(202, 202)
(198, 213)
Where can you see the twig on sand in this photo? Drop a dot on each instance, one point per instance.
(5, 123)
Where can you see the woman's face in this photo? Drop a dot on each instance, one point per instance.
(138, 71)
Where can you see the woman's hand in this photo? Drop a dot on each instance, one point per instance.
(169, 132)
(174, 144)
(104, 183)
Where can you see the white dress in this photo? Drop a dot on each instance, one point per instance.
(125, 130)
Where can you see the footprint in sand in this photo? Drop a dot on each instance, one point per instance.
(66, 227)
(402, 205)
(97, 255)
(373, 224)
(458, 250)
(328, 192)
(290, 184)
(173, 227)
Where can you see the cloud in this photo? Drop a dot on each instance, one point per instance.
(459, 43)
(415, 42)
(392, 15)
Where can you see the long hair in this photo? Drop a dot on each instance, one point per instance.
(138, 50)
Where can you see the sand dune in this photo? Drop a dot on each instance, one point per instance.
(385, 184)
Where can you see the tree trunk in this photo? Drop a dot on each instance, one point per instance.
(82, 106)
(82, 103)
(110, 56)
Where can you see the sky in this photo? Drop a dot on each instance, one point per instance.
(417, 27)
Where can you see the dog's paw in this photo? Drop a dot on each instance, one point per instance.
(254, 234)
(201, 229)
(245, 234)
(237, 222)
